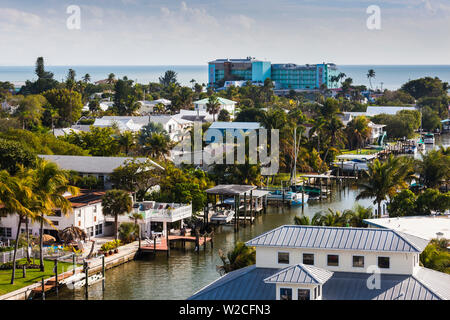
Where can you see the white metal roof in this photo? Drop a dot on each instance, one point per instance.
(425, 227)
(300, 274)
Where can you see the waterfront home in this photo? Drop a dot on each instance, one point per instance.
(425, 227)
(87, 215)
(103, 105)
(225, 104)
(157, 213)
(332, 263)
(175, 126)
(99, 167)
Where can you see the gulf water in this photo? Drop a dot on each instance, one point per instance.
(387, 76)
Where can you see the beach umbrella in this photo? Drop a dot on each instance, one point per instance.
(48, 239)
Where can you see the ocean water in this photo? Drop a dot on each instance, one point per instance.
(387, 76)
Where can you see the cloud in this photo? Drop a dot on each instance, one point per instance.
(10, 17)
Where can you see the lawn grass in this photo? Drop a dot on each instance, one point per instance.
(360, 151)
(33, 275)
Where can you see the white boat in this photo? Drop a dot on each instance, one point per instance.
(294, 197)
(222, 216)
(353, 165)
(428, 138)
(79, 280)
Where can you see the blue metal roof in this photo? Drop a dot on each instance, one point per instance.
(300, 273)
(248, 284)
(317, 237)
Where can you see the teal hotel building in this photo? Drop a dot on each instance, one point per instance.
(286, 76)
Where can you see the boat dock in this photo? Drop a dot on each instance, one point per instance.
(160, 244)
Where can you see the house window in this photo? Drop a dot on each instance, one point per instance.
(285, 294)
(358, 261)
(303, 294)
(308, 258)
(5, 232)
(79, 213)
(55, 223)
(283, 257)
(98, 229)
(95, 218)
(57, 213)
(90, 231)
(95, 209)
(383, 262)
(333, 260)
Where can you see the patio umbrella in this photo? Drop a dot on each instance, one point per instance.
(48, 239)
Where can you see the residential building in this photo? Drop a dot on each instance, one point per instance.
(232, 127)
(87, 215)
(99, 167)
(332, 263)
(147, 107)
(225, 104)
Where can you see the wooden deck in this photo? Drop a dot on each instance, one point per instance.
(51, 282)
(161, 245)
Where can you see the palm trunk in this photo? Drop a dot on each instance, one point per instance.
(379, 209)
(116, 224)
(28, 239)
(41, 245)
(16, 245)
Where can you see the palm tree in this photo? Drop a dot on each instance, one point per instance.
(50, 185)
(434, 167)
(241, 256)
(158, 145)
(305, 221)
(14, 197)
(137, 216)
(370, 75)
(213, 106)
(116, 202)
(358, 214)
(358, 131)
(126, 141)
(382, 179)
(87, 78)
(111, 78)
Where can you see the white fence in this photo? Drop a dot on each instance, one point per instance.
(7, 256)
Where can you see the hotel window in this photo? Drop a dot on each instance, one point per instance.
(285, 294)
(303, 294)
(308, 258)
(358, 261)
(333, 260)
(283, 257)
(383, 262)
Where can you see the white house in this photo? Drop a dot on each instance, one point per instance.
(87, 215)
(225, 104)
(147, 106)
(99, 167)
(332, 263)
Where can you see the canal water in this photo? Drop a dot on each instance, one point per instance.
(186, 272)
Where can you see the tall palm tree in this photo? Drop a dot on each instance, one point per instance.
(115, 203)
(50, 185)
(14, 197)
(87, 78)
(126, 141)
(434, 167)
(213, 106)
(370, 75)
(111, 78)
(358, 131)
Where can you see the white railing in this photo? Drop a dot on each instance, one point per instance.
(7, 256)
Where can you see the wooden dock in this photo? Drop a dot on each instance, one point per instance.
(161, 244)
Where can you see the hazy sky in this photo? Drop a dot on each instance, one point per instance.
(161, 32)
